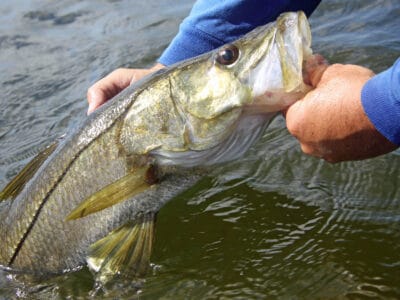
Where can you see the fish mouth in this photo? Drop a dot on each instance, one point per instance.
(276, 80)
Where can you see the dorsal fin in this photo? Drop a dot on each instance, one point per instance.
(135, 182)
(15, 186)
(126, 250)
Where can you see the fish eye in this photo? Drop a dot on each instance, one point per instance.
(227, 55)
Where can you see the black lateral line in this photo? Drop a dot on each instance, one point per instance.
(155, 76)
(44, 201)
(49, 193)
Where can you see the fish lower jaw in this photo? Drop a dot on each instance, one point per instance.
(273, 101)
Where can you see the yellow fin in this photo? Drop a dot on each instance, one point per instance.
(15, 186)
(126, 250)
(126, 187)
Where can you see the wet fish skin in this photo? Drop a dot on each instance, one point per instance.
(142, 148)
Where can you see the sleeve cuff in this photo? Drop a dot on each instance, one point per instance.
(380, 98)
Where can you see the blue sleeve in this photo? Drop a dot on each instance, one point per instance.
(211, 24)
(380, 98)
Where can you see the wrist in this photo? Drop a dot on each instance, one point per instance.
(381, 103)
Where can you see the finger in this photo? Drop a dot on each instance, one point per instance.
(313, 69)
(108, 87)
(96, 97)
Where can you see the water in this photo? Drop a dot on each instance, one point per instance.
(276, 224)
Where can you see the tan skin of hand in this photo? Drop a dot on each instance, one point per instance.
(330, 122)
(113, 83)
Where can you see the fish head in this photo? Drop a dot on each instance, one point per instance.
(262, 71)
(204, 103)
(268, 63)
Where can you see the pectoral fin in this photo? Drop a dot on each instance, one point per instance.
(125, 250)
(15, 186)
(126, 187)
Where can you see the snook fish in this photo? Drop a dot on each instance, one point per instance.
(92, 197)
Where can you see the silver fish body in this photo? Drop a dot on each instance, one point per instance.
(91, 198)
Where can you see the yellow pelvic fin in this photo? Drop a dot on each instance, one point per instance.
(126, 187)
(124, 251)
(15, 186)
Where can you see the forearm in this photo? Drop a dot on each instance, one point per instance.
(381, 102)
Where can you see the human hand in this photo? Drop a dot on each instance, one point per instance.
(329, 121)
(109, 86)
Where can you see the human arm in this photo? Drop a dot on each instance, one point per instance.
(381, 102)
(344, 118)
(212, 24)
(209, 25)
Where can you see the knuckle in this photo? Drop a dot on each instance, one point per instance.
(293, 126)
(306, 149)
(336, 67)
(90, 91)
(91, 88)
(119, 71)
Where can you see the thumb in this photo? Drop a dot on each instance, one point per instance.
(313, 69)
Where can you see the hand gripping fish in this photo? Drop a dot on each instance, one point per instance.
(92, 197)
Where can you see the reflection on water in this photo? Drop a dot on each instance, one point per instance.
(276, 224)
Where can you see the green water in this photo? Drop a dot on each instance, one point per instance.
(274, 225)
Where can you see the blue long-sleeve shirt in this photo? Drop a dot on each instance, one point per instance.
(211, 24)
(380, 98)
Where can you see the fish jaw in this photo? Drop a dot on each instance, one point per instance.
(275, 76)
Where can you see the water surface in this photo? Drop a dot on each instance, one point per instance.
(276, 224)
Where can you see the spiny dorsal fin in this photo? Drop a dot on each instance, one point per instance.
(126, 187)
(126, 250)
(15, 186)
